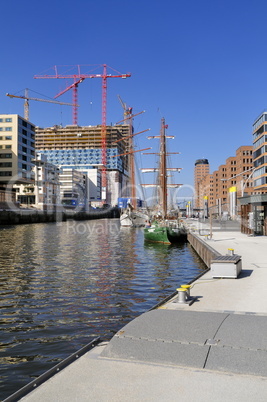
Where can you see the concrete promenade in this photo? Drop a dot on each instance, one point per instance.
(212, 350)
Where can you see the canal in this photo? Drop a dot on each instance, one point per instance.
(61, 284)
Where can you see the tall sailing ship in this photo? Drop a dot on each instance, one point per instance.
(132, 216)
(163, 229)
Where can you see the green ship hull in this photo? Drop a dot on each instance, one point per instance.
(165, 234)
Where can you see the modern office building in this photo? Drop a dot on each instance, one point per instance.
(16, 154)
(17, 149)
(80, 148)
(260, 154)
(254, 206)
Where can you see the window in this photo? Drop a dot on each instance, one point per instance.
(8, 129)
(9, 120)
(24, 123)
(5, 164)
(5, 173)
(8, 146)
(4, 156)
(8, 137)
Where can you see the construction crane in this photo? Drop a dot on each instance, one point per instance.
(74, 88)
(128, 117)
(78, 78)
(127, 111)
(26, 103)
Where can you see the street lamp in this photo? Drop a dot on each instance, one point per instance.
(247, 179)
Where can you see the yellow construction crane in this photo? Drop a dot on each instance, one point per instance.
(27, 98)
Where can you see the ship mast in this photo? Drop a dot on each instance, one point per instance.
(162, 182)
(163, 170)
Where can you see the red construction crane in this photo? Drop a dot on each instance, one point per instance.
(74, 88)
(78, 78)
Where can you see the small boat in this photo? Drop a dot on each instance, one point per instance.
(164, 230)
(133, 218)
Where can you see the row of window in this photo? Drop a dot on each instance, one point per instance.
(26, 133)
(260, 171)
(5, 164)
(5, 156)
(259, 121)
(25, 124)
(23, 166)
(260, 161)
(5, 146)
(260, 181)
(6, 138)
(260, 151)
(25, 141)
(8, 173)
(25, 158)
(6, 120)
(260, 141)
(5, 128)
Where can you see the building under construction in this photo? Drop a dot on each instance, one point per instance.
(81, 148)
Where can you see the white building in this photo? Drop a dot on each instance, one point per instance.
(74, 189)
(47, 185)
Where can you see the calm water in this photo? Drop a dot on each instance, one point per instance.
(62, 284)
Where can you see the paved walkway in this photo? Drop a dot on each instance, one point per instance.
(212, 350)
(248, 293)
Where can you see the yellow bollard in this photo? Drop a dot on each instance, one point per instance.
(182, 293)
(231, 251)
(187, 288)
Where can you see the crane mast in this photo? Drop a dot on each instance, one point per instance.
(78, 78)
(26, 102)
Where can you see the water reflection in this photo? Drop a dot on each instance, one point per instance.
(62, 284)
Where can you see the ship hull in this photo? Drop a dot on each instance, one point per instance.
(133, 219)
(166, 235)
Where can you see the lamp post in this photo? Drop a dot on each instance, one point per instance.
(245, 183)
(231, 189)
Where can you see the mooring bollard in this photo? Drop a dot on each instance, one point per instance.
(231, 251)
(187, 288)
(181, 295)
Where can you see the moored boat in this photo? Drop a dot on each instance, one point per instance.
(132, 215)
(164, 230)
(162, 233)
(133, 218)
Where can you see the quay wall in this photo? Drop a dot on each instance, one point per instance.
(97, 214)
(205, 252)
(17, 217)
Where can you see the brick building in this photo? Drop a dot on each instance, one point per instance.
(235, 176)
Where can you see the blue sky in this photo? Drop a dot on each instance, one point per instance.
(199, 64)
